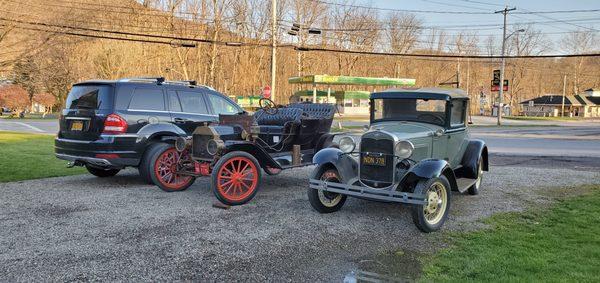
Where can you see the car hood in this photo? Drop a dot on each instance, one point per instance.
(406, 130)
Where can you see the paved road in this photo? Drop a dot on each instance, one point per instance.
(29, 126)
(573, 139)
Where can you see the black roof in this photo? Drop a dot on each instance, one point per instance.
(576, 100)
(425, 93)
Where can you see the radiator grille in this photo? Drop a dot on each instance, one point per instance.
(373, 175)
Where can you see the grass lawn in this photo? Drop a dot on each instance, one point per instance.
(526, 118)
(557, 244)
(30, 156)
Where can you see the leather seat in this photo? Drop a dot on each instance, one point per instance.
(323, 112)
(278, 127)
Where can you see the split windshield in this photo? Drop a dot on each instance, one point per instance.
(409, 109)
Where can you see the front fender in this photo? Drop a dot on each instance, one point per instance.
(329, 158)
(258, 152)
(475, 149)
(431, 168)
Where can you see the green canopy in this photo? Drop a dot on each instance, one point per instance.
(346, 80)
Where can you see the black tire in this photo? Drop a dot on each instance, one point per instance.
(101, 172)
(334, 201)
(225, 190)
(144, 167)
(418, 211)
(157, 156)
(474, 189)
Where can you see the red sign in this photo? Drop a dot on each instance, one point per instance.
(496, 87)
(267, 92)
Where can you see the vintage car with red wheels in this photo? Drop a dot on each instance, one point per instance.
(235, 151)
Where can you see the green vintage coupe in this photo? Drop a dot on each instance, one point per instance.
(416, 150)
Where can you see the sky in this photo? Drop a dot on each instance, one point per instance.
(588, 20)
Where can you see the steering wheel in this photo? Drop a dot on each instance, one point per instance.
(268, 106)
(431, 115)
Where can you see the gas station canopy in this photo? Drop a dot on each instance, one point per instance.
(346, 80)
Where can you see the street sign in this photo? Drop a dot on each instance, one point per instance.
(267, 92)
(496, 87)
(496, 79)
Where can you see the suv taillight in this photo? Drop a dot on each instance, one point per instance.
(114, 124)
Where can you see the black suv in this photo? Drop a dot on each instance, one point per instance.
(109, 125)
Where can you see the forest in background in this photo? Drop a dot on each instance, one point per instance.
(45, 47)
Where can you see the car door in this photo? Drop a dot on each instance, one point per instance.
(189, 109)
(147, 105)
(457, 133)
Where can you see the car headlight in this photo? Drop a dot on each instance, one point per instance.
(213, 146)
(404, 149)
(347, 144)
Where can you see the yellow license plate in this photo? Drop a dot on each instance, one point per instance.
(76, 126)
(374, 160)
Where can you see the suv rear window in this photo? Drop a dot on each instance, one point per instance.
(90, 97)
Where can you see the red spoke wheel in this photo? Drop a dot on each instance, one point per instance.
(236, 178)
(166, 162)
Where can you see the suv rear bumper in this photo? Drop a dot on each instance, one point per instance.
(108, 151)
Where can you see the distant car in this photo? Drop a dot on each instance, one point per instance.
(416, 151)
(109, 125)
(5, 111)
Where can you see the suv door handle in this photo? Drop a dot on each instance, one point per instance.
(181, 120)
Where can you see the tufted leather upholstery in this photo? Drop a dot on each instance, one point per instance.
(316, 111)
(283, 116)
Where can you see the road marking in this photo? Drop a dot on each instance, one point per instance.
(31, 127)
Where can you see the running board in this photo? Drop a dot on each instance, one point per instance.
(464, 184)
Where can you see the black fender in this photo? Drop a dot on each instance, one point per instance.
(331, 157)
(475, 149)
(258, 152)
(427, 169)
(159, 131)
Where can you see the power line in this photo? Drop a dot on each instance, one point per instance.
(399, 10)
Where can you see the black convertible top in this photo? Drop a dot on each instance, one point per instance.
(424, 93)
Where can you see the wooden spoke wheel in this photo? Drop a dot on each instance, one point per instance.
(236, 178)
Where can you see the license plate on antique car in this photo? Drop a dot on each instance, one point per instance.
(77, 126)
(373, 160)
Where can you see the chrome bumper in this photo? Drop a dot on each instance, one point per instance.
(91, 160)
(364, 192)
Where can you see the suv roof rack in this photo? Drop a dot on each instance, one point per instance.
(157, 80)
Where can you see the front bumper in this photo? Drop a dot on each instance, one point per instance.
(368, 193)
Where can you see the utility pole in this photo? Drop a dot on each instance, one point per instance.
(562, 108)
(500, 96)
(274, 47)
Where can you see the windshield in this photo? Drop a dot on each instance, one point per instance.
(409, 109)
(90, 97)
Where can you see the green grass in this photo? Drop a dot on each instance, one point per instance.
(557, 244)
(527, 118)
(30, 156)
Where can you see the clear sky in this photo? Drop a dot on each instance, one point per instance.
(553, 28)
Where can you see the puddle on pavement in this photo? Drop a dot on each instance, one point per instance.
(398, 266)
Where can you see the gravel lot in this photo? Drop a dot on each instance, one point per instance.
(83, 228)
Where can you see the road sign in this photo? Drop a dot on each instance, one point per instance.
(496, 80)
(267, 92)
(496, 87)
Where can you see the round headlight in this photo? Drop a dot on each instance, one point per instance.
(347, 144)
(212, 147)
(404, 149)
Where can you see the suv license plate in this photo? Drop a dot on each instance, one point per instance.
(374, 160)
(77, 126)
